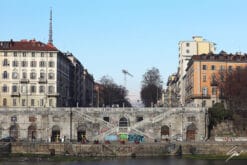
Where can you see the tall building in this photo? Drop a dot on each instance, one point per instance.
(33, 74)
(186, 50)
(200, 81)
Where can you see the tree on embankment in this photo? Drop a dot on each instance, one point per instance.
(151, 87)
(113, 94)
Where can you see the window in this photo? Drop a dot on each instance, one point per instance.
(51, 54)
(230, 68)
(33, 64)
(41, 102)
(24, 89)
(42, 89)
(51, 64)
(24, 75)
(5, 54)
(15, 54)
(106, 118)
(50, 102)
(14, 75)
(5, 88)
(123, 122)
(24, 63)
(51, 76)
(50, 89)
(4, 102)
(222, 67)
(24, 54)
(187, 44)
(14, 102)
(33, 89)
(33, 75)
(42, 64)
(191, 119)
(23, 102)
(5, 62)
(212, 67)
(42, 54)
(14, 88)
(204, 78)
(139, 118)
(32, 102)
(14, 63)
(204, 67)
(33, 54)
(187, 51)
(204, 91)
(214, 90)
(5, 75)
(42, 75)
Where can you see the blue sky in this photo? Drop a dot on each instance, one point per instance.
(110, 35)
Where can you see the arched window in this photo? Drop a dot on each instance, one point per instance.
(123, 122)
(81, 133)
(55, 134)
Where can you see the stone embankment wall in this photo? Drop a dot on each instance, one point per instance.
(128, 149)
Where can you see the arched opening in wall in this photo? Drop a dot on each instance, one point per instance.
(164, 132)
(191, 132)
(81, 134)
(32, 133)
(13, 131)
(55, 134)
(123, 122)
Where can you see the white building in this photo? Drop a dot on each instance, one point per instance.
(33, 74)
(187, 49)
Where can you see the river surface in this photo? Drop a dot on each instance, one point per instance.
(136, 161)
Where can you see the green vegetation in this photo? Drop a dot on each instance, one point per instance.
(218, 114)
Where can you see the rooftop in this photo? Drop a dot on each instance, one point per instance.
(27, 45)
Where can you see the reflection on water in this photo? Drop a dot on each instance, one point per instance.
(137, 161)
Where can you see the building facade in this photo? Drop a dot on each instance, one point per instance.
(33, 74)
(200, 80)
(186, 50)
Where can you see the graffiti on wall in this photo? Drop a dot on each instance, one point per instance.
(131, 137)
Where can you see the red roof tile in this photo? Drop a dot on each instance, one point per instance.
(31, 45)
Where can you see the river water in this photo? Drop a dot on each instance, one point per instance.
(136, 161)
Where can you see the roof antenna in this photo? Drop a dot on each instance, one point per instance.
(50, 41)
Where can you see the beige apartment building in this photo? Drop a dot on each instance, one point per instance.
(33, 74)
(186, 50)
(201, 79)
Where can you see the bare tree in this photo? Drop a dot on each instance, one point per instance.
(151, 87)
(113, 94)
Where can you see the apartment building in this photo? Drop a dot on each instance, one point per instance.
(33, 74)
(200, 81)
(186, 50)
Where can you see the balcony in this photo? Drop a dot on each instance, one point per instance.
(24, 80)
(214, 83)
(196, 96)
(15, 94)
(42, 80)
(52, 94)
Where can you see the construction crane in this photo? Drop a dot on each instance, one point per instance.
(126, 73)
